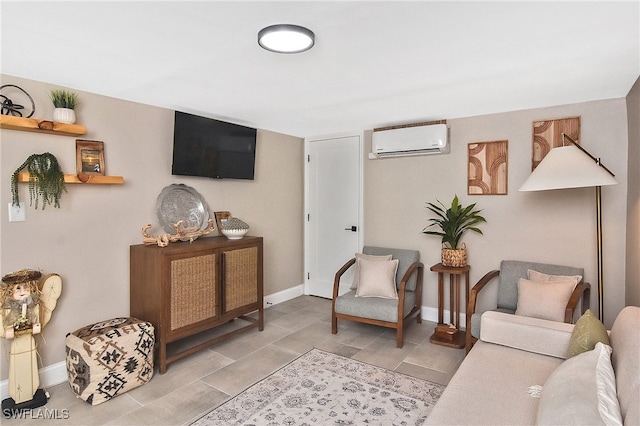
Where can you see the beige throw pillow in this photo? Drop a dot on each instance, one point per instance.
(588, 331)
(354, 284)
(377, 278)
(543, 300)
(581, 391)
(540, 277)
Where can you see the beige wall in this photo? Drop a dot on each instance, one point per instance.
(633, 199)
(551, 226)
(87, 240)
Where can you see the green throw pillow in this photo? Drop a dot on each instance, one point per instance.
(588, 331)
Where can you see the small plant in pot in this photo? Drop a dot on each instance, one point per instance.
(64, 103)
(453, 222)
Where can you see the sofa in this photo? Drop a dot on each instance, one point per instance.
(518, 373)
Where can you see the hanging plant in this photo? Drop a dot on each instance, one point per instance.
(46, 180)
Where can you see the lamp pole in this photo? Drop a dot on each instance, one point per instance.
(599, 246)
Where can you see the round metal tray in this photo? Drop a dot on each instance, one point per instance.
(179, 202)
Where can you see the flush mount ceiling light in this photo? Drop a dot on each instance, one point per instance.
(286, 38)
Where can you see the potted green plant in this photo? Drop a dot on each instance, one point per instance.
(453, 222)
(64, 103)
(46, 180)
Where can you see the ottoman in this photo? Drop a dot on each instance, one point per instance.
(109, 358)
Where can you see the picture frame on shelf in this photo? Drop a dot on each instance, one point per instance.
(90, 158)
(221, 218)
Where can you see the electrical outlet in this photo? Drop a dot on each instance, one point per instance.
(17, 213)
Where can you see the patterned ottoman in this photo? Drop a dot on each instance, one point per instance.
(109, 358)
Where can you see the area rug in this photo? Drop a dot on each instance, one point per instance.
(321, 388)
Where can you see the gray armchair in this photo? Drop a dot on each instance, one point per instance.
(391, 313)
(509, 273)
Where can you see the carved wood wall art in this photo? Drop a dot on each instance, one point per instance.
(547, 134)
(487, 169)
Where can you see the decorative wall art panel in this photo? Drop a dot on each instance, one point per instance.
(487, 171)
(547, 134)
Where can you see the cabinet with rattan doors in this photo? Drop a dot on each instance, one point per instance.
(192, 292)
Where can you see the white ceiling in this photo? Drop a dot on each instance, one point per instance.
(374, 63)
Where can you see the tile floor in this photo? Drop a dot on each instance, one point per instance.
(197, 383)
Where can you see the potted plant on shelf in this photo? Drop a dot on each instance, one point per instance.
(453, 222)
(46, 180)
(64, 103)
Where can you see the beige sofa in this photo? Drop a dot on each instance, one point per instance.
(503, 379)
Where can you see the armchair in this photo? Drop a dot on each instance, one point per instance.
(509, 273)
(385, 312)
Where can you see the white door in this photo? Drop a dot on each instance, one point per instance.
(334, 209)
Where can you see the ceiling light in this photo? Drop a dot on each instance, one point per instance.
(286, 38)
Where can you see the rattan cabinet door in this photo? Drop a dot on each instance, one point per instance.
(240, 278)
(193, 290)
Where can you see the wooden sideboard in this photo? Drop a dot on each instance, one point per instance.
(188, 288)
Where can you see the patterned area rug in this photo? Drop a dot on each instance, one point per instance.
(327, 389)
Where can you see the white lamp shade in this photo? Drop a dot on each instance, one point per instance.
(567, 167)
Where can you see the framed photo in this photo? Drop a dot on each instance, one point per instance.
(89, 157)
(487, 170)
(547, 134)
(221, 219)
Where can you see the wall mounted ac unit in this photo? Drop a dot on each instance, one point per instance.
(417, 140)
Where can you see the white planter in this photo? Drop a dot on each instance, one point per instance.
(64, 115)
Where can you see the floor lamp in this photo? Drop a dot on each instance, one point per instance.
(571, 166)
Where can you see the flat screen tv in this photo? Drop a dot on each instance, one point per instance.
(211, 148)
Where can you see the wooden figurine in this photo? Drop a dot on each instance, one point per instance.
(28, 299)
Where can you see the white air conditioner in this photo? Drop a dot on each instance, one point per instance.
(417, 140)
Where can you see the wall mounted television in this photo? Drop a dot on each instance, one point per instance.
(211, 148)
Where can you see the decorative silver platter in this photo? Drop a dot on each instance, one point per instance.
(179, 202)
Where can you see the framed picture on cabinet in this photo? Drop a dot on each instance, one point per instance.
(487, 169)
(89, 157)
(221, 219)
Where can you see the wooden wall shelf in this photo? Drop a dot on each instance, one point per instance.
(42, 126)
(23, 177)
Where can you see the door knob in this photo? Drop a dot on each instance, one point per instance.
(352, 229)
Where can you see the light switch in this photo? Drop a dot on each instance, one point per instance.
(17, 213)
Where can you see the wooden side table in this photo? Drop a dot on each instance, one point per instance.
(450, 334)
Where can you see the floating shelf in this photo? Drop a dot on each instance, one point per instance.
(41, 126)
(23, 177)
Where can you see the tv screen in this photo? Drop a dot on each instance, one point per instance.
(211, 148)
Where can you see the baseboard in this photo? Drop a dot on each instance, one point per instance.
(431, 314)
(283, 296)
(55, 374)
(50, 375)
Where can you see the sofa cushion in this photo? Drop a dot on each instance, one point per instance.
(512, 270)
(525, 333)
(491, 387)
(405, 259)
(534, 275)
(581, 391)
(377, 278)
(373, 307)
(354, 284)
(625, 340)
(588, 331)
(544, 300)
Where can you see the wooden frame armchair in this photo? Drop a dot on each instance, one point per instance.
(391, 313)
(509, 273)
